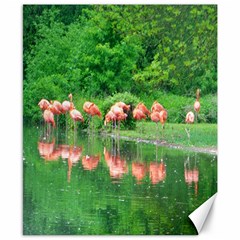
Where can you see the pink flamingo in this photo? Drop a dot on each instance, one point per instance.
(110, 117)
(92, 110)
(75, 115)
(66, 108)
(43, 104)
(120, 115)
(155, 117)
(156, 107)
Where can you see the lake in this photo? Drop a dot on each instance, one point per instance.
(99, 185)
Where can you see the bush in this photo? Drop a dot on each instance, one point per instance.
(178, 106)
(127, 98)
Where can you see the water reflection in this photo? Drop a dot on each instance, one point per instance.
(139, 171)
(91, 159)
(157, 172)
(134, 188)
(74, 156)
(117, 165)
(191, 173)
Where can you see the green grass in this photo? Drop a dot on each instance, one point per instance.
(201, 135)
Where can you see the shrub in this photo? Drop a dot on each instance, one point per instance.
(127, 98)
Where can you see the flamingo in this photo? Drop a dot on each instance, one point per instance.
(56, 108)
(155, 117)
(156, 107)
(163, 118)
(75, 115)
(138, 115)
(143, 108)
(66, 108)
(43, 104)
(110, 117)
(122, 105)
(92, 110)
(120, 115)
(49, 118)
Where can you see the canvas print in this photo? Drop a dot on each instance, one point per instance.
(120, 118)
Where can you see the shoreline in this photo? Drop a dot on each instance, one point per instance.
(209, 150)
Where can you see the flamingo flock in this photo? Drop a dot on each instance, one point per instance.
(117, 113)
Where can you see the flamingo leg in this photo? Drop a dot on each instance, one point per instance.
(118, 128)
(157, 132)
(156, 152)
(74, 133)
(92, 125)
(66, 125)
(112, 127)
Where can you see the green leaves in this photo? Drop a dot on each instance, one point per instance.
(99, 50)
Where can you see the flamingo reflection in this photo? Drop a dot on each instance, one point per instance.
(48, 151)
(139, 171)
(191, 174)
(74, 156)
(90, 162)
(117, 165)
(157, 171)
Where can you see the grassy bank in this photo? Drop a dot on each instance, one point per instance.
(201, 135)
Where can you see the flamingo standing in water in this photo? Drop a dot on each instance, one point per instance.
(66, 108)
(92, 110)
(56, 108)
(49, 119)
(43, 104)
(75, 115)
(110, 117)
(120, 115)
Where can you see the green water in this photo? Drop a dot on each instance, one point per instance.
(98, 186)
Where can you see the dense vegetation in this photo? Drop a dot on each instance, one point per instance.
(150, 52)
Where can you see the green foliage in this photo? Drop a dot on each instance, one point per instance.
(186, 56)
(128, 99)
(51, 87)
(156, 52)
(178, 106)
